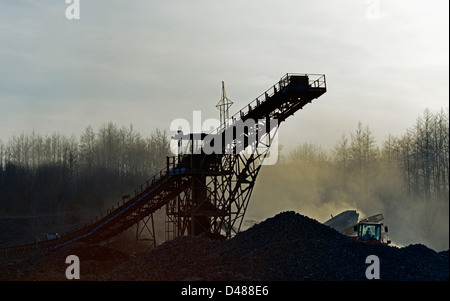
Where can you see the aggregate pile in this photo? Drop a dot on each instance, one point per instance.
(286, 247)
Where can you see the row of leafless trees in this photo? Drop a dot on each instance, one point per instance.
(407, 177)
(121, 149)
(423, 153)
(420, 157)
(56, 173)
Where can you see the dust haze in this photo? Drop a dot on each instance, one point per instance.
(405, 179)
(312, 191)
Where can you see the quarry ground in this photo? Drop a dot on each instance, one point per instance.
(286, 247)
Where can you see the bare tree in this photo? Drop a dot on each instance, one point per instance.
(363, 154)
(87, 149)
(341, 155)
(308, 154)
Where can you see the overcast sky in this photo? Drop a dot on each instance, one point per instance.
(149, 62)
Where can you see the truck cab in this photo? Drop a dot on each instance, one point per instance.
(372, 232)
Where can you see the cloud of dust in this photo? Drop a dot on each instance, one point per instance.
(319, 191)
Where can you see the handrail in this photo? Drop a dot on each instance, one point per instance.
(107, 214)
(317, 81)
(150, 182)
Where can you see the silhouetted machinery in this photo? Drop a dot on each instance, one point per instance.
(207, 186)
(369, 229)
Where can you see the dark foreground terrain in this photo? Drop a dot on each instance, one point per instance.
(286, 247)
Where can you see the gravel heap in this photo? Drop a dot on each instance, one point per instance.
(286, 247)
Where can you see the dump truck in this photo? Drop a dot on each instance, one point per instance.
(369, 229)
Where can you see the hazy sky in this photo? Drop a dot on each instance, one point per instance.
(150, 62)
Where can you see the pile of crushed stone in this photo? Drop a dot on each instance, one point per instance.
(286, 247)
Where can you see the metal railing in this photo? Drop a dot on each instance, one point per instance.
(83, 231)
(314, 80)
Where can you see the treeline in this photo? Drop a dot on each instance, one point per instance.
(56, 174)
(420, 157)
(406, 178)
